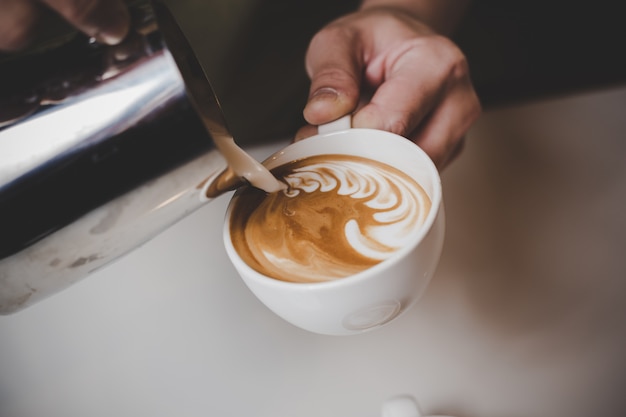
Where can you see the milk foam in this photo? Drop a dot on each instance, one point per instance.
(340, 215)
(399, 202)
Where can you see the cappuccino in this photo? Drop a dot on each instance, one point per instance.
(338, 216)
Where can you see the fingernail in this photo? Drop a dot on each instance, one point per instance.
(324, 93)
(318, 99)
(109, 38)
(114, 34)
(324, 105)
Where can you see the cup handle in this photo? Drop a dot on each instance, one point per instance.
(343, 123)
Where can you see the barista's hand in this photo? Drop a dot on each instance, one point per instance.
(106, 20)
(418, 80)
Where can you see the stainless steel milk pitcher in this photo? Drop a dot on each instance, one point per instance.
(101, 148)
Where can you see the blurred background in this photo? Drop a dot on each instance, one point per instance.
(253, 52)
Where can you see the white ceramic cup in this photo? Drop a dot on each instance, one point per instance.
(377, 295)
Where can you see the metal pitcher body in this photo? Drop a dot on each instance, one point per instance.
(101, 148)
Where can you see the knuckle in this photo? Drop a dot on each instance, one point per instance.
(474, 107)
(453, 62)
(398, 126)
(469, 117)
(334, 30)
(448, 61)
(459, 68)
(325, 44)
(333, 75)
(477, 109)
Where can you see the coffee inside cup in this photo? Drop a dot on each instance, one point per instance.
(340, 215)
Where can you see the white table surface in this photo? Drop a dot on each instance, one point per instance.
(525, 317)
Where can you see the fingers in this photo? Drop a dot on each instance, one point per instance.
(17, 20)
(403, 98)
(305, 132)
(441, 134)
(425, 95)
(106, 20)
(334, 66)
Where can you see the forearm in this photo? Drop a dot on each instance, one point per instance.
(441, 15)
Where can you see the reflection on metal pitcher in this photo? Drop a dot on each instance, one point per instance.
(102, 148)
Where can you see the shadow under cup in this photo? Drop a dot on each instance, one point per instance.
(374, 296)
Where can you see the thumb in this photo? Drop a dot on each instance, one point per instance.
(334, 64)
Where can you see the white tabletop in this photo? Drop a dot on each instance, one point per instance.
(526, 315)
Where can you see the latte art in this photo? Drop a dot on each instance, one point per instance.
(339, 216)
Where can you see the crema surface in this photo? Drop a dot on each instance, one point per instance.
(340, 215)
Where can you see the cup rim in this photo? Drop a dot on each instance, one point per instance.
(371, 272)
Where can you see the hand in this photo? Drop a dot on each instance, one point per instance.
(419, 80)
(105, 20)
